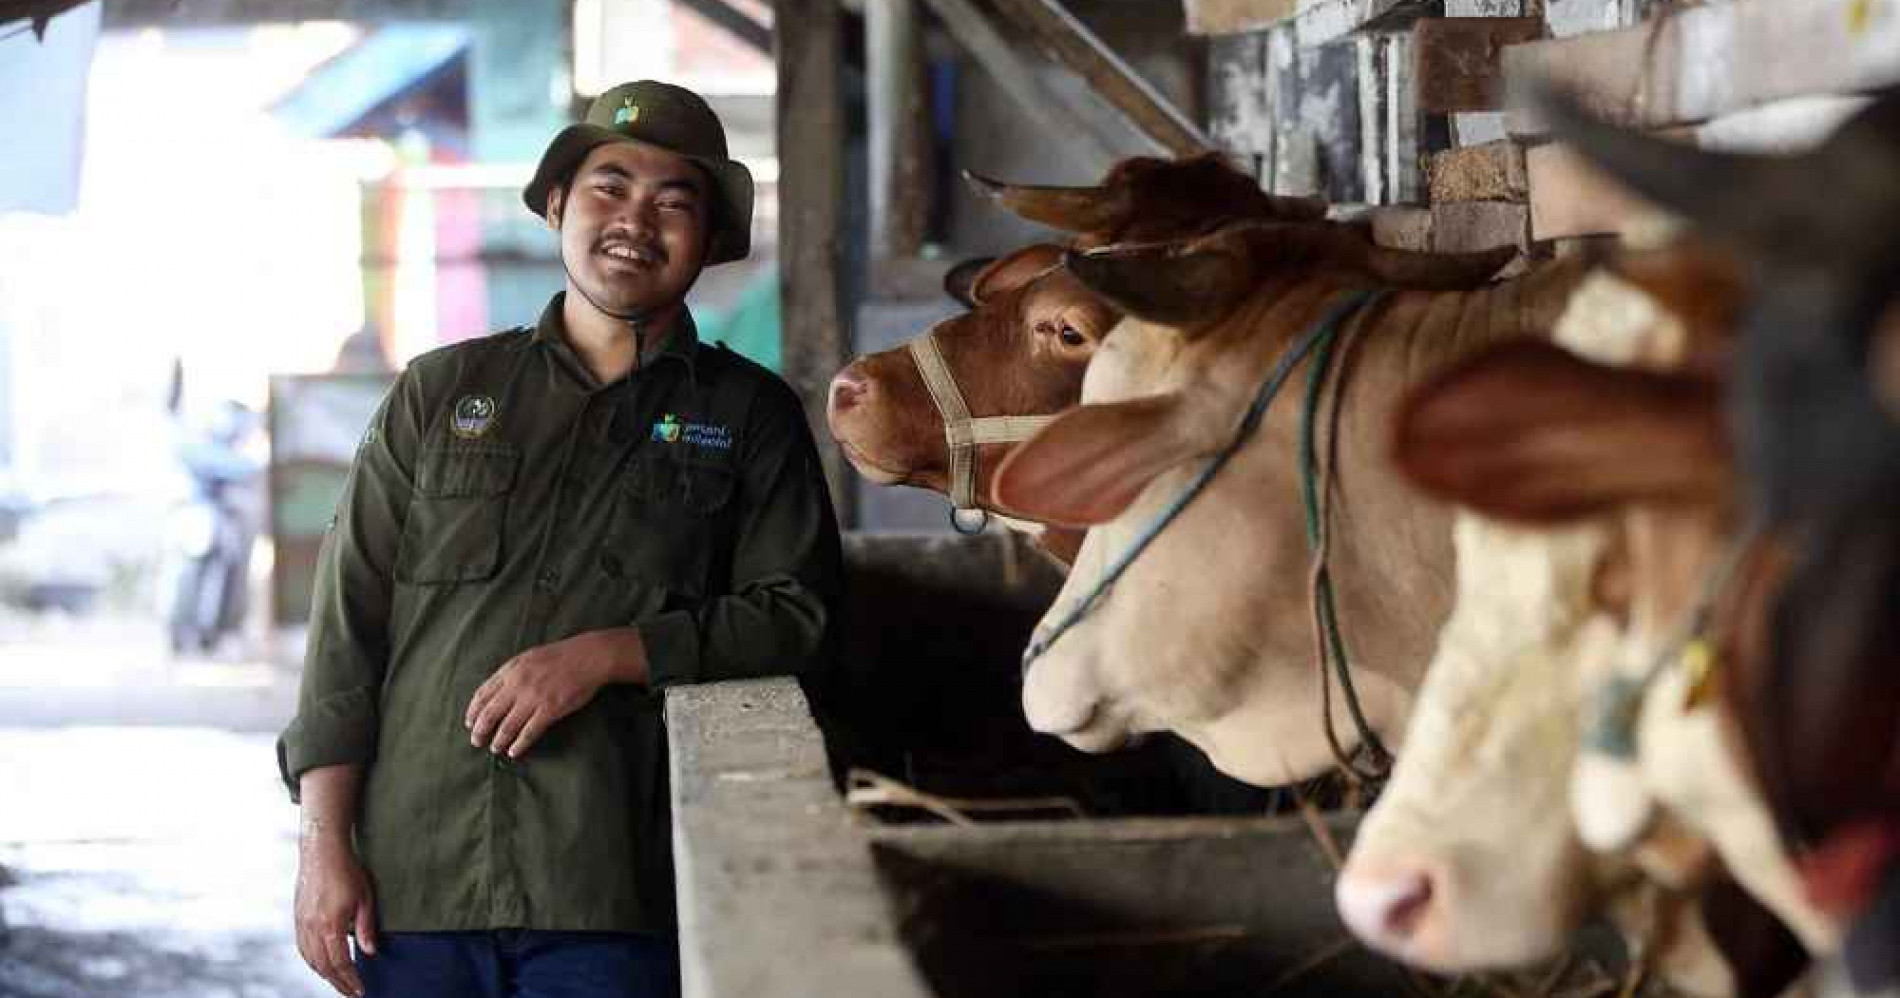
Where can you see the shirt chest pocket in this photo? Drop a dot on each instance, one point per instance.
(671, 523)
(454, 531)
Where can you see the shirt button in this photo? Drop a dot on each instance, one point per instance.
(548, 580)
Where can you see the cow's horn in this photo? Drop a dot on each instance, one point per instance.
(1151, 283)
(1070, 209)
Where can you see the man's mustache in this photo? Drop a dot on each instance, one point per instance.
(645, 247)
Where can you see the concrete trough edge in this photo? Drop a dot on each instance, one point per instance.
(777, 891)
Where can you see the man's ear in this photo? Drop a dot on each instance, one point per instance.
(557, 198)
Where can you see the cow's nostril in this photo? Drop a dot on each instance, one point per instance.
(1385, 910)
(849, 389)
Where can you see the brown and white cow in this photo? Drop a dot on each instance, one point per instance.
(1817, 430)
(1020, 350)
(1207, 633)
(1633, 461)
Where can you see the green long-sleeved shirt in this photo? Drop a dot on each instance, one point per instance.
(503, 499)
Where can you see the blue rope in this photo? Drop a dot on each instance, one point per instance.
(1322, 332)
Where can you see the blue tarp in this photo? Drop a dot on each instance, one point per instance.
(341, 92)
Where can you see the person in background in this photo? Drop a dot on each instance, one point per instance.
(542, 530)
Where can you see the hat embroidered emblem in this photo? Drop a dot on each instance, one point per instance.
(627, 113)
(473, 416)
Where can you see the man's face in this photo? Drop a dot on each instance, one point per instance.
(633, 225)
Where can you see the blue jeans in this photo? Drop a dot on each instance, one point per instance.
(520, 963)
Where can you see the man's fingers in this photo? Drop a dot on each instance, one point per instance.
(483, 694)
(530, 733)
(342, 975)
(510, 726)
(366, 925)
(491, 714)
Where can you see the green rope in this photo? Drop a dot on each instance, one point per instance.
(1313, 503)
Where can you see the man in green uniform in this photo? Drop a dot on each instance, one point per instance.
(543, 529)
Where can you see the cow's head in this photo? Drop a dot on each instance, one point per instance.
(1597, 496)
(1200, 633)
(1020, 350)
(1031, 326)
(1819, 232)
(1817, 432)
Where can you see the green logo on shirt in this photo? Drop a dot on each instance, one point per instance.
(667, 430)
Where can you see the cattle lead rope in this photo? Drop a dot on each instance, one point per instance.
(1322, 332)
(1328, 645)
(961, 432)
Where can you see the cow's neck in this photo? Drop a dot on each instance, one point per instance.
(1390, 549)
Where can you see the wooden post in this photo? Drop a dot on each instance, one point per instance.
(811, 170)
(1068, 41)
(901, 165)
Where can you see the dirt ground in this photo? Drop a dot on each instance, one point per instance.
(146, 862)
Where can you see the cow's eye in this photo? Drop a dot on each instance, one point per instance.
(1071, 338)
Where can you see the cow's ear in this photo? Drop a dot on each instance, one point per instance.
(1088, 465)
(959, 282)
(1531, 433)
(1013, 271)
(1186, 284)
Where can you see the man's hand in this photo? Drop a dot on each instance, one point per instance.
(533, 690)
(333, 903)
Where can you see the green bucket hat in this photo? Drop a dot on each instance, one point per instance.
(672, 118)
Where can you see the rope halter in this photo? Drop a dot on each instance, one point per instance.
(963, 433)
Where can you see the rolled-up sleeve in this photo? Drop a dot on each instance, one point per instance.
(786, 565)
(347, 653)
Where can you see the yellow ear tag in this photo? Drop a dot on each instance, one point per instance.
(1698, 666)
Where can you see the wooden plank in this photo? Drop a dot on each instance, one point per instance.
(1459, 63)
(1369, 53)
(1468, 226)
(811, 137)
(1226, 17)
(1329, 111)
(898, 116)
(1403, 130)
(1317, 21)
(1484, 8)
(1490, 172)
(1079, 128)
(1239, 117)
(1070, 42)
(1705, 62)
(1295, 154)
(1402, 228)
(1320, 22)
(1575, 17)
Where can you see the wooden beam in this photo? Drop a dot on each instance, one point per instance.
(1705, 62)
(811, 140)
(902, 168)
(1070, 42)
(1460, 60)
(1318, 21)
(734, 22)
(1083, 128)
